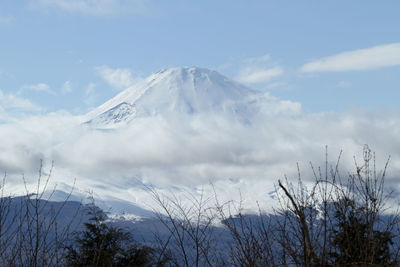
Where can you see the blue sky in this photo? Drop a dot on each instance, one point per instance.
(59, 54)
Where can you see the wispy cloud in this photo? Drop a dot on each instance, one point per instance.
(40, 87)
(66, 87)
(117, 78)
(254, 70)
(90, 94)
(362, 59)
(13, 102)
(259, 75)
(260, 59)
(344, 84)
(95, 7)
(6, 19)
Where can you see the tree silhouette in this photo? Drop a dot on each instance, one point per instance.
(103, 245)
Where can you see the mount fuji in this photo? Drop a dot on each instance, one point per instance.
(184, 91)
(177, 129)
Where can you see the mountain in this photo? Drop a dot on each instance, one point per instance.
(187, 90)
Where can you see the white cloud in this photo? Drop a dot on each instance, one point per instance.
(253, 70)
(95, 7)
(237, 156)
(362, 59)
(40, 87)
(30, 139)
(259, 75)
(117, 78)
(66, 87)
(10, 102)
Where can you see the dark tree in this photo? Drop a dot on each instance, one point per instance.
(103, 245)
(356, 242)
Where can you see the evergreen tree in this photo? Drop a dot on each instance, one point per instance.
(356, 240)
(103, 245)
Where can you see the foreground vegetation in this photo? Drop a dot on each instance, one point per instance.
(336, 220)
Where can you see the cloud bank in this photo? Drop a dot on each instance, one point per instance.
(189, 152)
(362, 59)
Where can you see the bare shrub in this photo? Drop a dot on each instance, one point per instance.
(334, 220)
(191, 238)
(339, 221)
(32, 232)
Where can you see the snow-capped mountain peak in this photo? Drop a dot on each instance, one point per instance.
(187, 90)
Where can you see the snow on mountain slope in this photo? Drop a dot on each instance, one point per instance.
(121, 113)
(183, 91)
